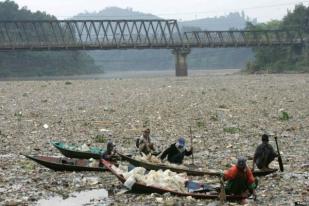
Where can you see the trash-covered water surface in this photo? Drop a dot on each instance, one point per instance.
(91, 197)
(227, 114)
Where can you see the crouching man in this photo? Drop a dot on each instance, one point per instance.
(240, 180)
(176, 152)
(264, 154)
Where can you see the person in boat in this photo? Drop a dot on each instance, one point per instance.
(240, 180)
(110, 151)
(176, 152)
(144, 144)
(264, 154)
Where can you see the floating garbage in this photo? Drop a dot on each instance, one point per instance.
(252, 103)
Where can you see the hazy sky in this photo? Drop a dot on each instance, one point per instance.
(263, 10)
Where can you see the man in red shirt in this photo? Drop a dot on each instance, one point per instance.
(240, 179)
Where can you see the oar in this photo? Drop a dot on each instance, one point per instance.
(222, 195)
(279, 156)
(191, 145)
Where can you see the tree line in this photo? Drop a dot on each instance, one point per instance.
(292, 59)
(43, 63)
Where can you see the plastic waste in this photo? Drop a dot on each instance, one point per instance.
(129, 182)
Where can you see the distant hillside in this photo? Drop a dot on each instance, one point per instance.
(163, 59)
(114, 13)
(232, 20)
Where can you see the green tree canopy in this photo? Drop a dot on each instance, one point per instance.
(43, 63)
(283, 59)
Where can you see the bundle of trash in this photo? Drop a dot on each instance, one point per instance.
(154, 159)
(83, 147)
(148, 158)
(163, 179)
(93, 162)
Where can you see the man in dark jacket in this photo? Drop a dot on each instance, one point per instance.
(176, 152)
(264, 154)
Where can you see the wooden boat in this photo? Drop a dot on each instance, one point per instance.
(72, 151)
(192, 172)
(198, 192)
(67, 164)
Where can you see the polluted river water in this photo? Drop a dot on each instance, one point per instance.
(90, 197)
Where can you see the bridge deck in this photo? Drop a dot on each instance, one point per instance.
(129, 34)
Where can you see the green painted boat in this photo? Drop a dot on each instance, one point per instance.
(78, 151)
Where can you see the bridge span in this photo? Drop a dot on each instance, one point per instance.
(133, 34)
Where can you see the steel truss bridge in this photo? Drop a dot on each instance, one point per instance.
(133, 34)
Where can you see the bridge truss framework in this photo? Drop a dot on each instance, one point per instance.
(133, 34)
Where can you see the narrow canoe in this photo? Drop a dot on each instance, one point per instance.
(72, 151)
(67, 164)
(152, 166)
(142, 188)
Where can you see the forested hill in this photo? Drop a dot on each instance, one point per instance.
(232, 20)
(114, 13)
(27, 63)
(163, 59)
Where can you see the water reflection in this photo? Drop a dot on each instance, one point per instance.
(90, 197)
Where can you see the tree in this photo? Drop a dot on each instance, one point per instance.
(283, 59)
(29, 63)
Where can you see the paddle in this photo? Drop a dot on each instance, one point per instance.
(191, 145)
(279, 156)
(222, 195)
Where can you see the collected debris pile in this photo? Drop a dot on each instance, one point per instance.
(155, 160)
(93, 162)
(148, 158)
(80, 148)
(83, 147)
(164, 179)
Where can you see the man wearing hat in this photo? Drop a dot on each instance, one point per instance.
(176, 152)
(240, 179)
(144, 144)
(264, 154)
(109, 152)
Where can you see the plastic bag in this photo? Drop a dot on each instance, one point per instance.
(129, 182)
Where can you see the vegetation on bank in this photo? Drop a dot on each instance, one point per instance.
(47, 63)
(293, 59)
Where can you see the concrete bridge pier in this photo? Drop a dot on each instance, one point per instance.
(181, 61)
